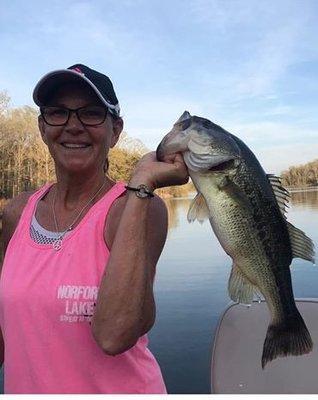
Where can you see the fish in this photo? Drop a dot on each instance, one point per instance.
(247, 211)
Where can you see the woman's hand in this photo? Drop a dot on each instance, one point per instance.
(155, 174)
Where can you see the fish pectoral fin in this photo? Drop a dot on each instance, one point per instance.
(240, 288)
(198, 209)
(302, 245)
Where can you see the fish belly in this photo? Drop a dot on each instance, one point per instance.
(234, 227)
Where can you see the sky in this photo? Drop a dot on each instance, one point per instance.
(250, 66)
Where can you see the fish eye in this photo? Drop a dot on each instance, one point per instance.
(186, 124)
(183, 125)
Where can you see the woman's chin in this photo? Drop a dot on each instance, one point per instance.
(76, 166)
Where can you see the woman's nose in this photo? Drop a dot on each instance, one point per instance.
(74, 122)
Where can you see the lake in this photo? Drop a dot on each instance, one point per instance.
(191, 291)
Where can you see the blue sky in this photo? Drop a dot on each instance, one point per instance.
(250, 66)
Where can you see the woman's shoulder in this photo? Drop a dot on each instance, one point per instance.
(157, 215)
(12, 213)
(16, 205)
(117, 208)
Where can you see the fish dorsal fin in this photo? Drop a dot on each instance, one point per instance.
(184, 116)
(282, 195)
(240, 289)
(302, 245)
(198, 209)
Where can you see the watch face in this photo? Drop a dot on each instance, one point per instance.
(142, 192)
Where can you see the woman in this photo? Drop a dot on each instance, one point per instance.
(76, 289)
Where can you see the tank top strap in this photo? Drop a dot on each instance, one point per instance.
(28, 210)
(107, 200)
(33, 199)
(98, 214)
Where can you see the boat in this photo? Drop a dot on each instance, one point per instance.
(237, 352)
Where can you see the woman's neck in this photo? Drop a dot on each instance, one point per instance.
(72, 190)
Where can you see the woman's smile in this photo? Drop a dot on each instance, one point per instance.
(75, 145)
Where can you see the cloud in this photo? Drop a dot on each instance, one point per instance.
(267, 133)
(259, 41)
(277, 145)
(150, 117)
(276, 159)
(274, 53)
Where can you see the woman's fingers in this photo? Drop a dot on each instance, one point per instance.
(171, 171)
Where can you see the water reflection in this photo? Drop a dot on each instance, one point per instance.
(306, 198)
(176, 207)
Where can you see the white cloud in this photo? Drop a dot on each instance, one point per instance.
(149, 118)
(261, 40)
(267, 133)
(277, 145)
(276, 159)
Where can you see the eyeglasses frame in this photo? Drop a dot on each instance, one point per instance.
(70, 111)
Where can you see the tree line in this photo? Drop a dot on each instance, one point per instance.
(301, 176)
(25, 162)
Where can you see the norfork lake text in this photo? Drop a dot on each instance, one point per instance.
(191, 291)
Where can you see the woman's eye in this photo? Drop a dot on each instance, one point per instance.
(92, 112)
(56, 112)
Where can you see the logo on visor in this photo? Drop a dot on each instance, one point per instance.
(76, 69)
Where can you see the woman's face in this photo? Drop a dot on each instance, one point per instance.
(95, 140)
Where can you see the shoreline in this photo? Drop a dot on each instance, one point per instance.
(302, 189)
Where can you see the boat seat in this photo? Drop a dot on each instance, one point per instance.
(237, 351)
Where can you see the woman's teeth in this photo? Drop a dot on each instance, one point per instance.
(74, 145)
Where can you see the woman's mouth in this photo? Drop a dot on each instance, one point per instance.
(75, 145)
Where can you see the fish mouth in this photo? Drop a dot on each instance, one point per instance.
(225, 165)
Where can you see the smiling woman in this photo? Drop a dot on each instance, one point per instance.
(77, 121)
(76, 288)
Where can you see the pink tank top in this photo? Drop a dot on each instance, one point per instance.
(46, 297)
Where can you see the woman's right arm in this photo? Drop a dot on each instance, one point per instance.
(10, 219)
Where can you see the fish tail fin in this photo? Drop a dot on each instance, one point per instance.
(290, 337)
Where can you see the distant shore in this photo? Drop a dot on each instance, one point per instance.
(302, 189)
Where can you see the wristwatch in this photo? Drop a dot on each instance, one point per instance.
(142, 191)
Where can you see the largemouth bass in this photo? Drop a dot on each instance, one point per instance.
(247, 211)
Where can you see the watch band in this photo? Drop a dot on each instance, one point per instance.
(142, 191)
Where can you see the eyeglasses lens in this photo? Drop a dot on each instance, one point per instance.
(56, 116)
(92, 115)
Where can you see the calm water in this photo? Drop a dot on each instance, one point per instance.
(191, 292)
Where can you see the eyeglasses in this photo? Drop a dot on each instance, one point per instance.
(58, 116)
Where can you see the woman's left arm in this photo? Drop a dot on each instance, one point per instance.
(125, 308)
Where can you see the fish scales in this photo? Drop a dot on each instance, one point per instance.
(246, 209)
(235, 228)
(269, 224)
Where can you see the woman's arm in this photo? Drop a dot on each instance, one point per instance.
(125, 308)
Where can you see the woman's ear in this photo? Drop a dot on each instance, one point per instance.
(41, 126)
(118, 125)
